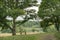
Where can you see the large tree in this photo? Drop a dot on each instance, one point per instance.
(13, 8)
(50, 8)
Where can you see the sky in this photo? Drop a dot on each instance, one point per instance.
(39, 1)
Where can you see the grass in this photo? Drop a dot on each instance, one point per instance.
(57, 35)
(20, 37)
(41, 36)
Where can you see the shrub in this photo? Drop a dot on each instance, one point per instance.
(33, 30)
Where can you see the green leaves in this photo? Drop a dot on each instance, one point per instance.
(49, 7)
(15, 12)
(12, 8)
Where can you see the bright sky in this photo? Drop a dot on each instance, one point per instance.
(39, 1)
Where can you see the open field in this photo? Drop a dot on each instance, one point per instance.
(10, 34)
(40, 36)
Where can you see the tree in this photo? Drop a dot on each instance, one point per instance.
(2, 14)
(13, 8)
(50, 8)
(14, 13)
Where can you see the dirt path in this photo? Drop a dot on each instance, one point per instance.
(49, 37)
(10, 34)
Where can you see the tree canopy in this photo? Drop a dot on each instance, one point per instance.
(51, 9)
(13, 8)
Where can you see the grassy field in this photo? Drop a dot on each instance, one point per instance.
(31, 35)
(41, 36)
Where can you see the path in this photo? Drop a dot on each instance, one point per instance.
(10, 34)
(47, 37)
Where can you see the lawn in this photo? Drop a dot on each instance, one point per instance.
(41, 36)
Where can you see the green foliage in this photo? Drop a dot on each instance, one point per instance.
(51, 29)
(6, 31)
(30, 24)
(48, 7)
(12, 8)
(33, 30)
(28, 3)
(14, 13)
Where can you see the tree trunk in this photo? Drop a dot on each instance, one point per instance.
(14, 28)
(57, 26)
(44, 29)
(57, 23)
(45, 26)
